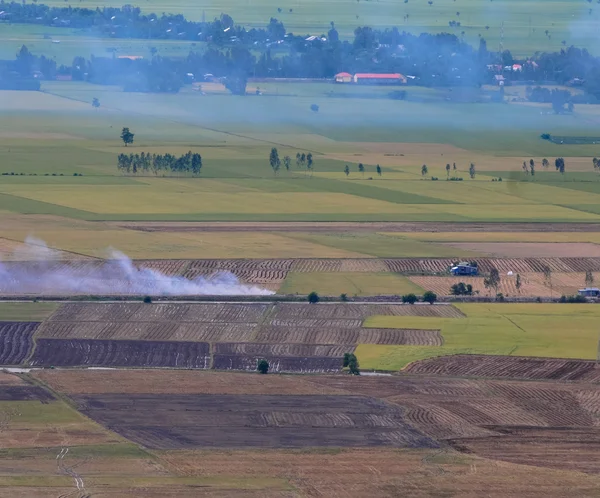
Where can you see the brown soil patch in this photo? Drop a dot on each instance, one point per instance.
(55, 435)
(169, 421)
(182, 226)
(176, 382)
(384, 473)
(508, 367)
(564, 449)
(531, 249)
(8, 379)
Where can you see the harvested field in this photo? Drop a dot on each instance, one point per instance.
(531, 249)
(78, 352)
(24, 393)
(563, 449)
(361, 311)
(508, 367)
(148, 331)
(8, 379)
(302, 358)
(184, 382)
(16, 341)
(204, 312)
(331, 335)
(165, 266)
(226, 421)
(233, 348)
(386, 472)
(296, 364)
(532, 284)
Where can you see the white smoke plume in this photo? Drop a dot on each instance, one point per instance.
(38, 272)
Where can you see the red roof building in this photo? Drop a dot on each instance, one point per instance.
(343, 78)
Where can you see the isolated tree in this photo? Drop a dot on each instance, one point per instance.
(545, 163)
(424, 170)
(298, 160)
(472, 171)
(347, 170)
(525, 168)
(263, 367)
(448, 170)
(309, 163)
(353, 366)
(492, 281)
(274, 160)
(95, 103)
(127, 136)
(518, 283)
(595, 162)
(589, 278)
(409, 299)
(313, 298)
(361, 169)
(532, 167)
(559, 164)
(378, 169)
(346, 360)
(547, 271)
(429, 297)
(453, 166)
(303, 159)
(287, 160)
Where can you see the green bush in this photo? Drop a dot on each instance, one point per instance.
(263, 367)
(313, 298)
(409, 299)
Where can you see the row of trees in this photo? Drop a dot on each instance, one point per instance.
(472, 170)
(303, 160)
(433, 59)
(187, 164)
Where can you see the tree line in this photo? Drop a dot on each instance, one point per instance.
(235, 54)
(187, 164)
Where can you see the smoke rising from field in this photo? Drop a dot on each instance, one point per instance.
(43, 274)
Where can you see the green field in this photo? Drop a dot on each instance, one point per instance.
(47, 137)
(48, 134)
(525, 21)
(351, 284)
(26, 312)
(544, 330)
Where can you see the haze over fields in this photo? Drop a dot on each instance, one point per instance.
(296, 249)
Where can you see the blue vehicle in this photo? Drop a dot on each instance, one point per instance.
(464, 269)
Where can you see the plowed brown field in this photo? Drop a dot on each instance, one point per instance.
(508, 367)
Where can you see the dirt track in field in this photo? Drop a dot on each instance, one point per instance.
(328, 227)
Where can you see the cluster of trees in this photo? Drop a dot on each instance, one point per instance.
(428, 297)
(430, 59)
(561, 100)
(187, 164)
(25, 71)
